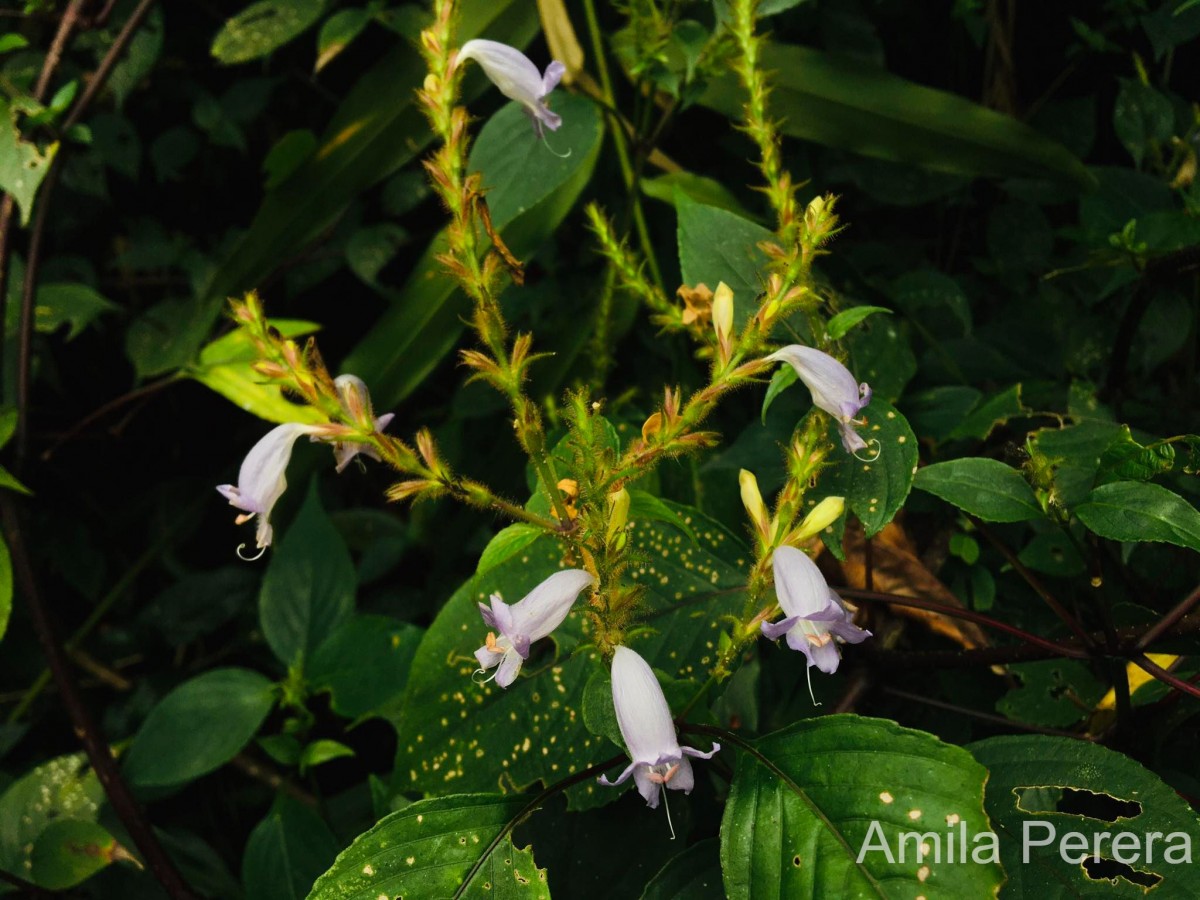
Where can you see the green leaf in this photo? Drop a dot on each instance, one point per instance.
(804, 805)
(839, 326)
(166, 336)
(198, 727)
(935, 300)
(1056, 693)
(225, 365)
(670, 187)
(645, 507)
(64, 787)
(510, 541)
(456, 735)
(263, 27)
(716, 245)
(695, 874)
(881, 355)
(287, 155)
(338, 31)
(322, 751)
(1127, 460)
(428, 849)
(370, 249)
(839, 102)
(1068, 458)
(1060, 781)
(986, 488)
(70, 851)
(1134, 511)
(782, 379)
(530, 192)
(309, 585)
(12, 41)
(874, 490)
(139, 58)
(22, 164)
(1141, 116)
(364, 664)
(286, 852)
(6, 587)
(74, 305)
(996, 410)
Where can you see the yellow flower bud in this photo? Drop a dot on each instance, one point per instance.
(819, 518)
(618, 513)
(722, 315)
(753, 501)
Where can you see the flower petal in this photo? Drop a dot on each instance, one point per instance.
(647, 786)
(642, 711)
(622, 778)
(262, 478)
(543, 609)
(799, 584)
(553, 75)
(510, 666)
(832, 386)
(773, 631)
(510, 70)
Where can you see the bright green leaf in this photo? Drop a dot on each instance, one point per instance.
(804, 803)
(322, 751)
(22, 165)
(430, 848)
(839, 326)
(64, 787)
(70, 851)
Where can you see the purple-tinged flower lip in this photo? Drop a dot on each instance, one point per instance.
(530, 619)
(833, 389)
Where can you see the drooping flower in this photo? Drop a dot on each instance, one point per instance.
(833, 389)
(531, 618)
(814, 614)
(649, 732)
(356, 401)
(517, 78)
(262, 478)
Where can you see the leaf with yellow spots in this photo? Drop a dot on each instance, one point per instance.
(457, 846)
(456, 735)
(875, 489)
(821, 809)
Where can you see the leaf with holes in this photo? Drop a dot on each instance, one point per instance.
(456, 735)
(22, 164)
(874, 490)
(455, 846)
(808, 798)
(1078, 787)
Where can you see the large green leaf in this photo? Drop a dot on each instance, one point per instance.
(430, 848)
(695, 874)
(376, 130)
(839, 102)
(309, 586)
(286, 852)
(1078, 787)
(530, 192)
(816, 795)
(1137, 511)
(456, 735)
(986, 488)
(63, 788)
(364, 664)
(717, 245)
(198, 727)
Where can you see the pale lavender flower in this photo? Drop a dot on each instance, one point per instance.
(355, 398)
(518, 78)
(649, 732)
(814, 614)
(262, 478)
(833, 389)
(531, 618)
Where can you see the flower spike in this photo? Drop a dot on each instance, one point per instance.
(530, 619)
